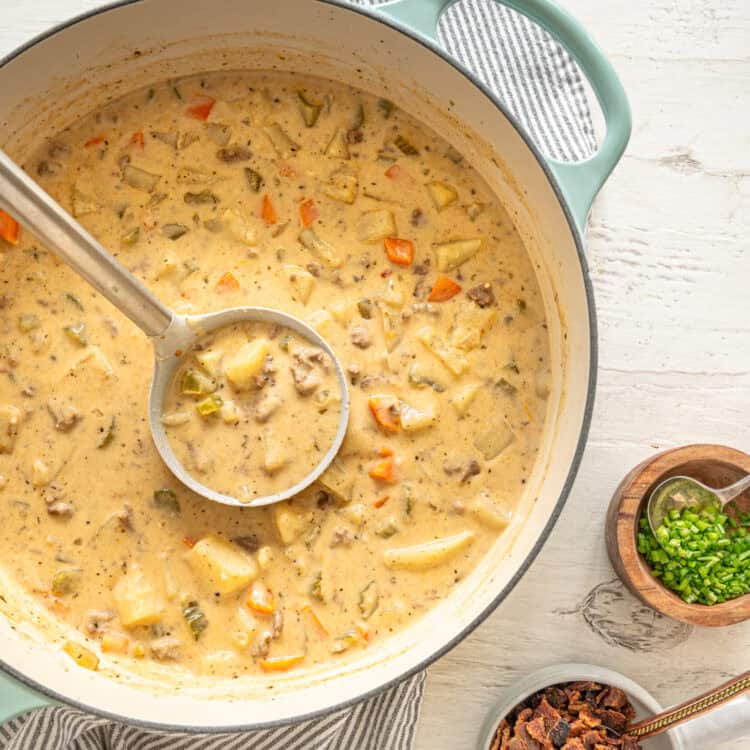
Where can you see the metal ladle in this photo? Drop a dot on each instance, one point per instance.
(172, 334)
(661, 500)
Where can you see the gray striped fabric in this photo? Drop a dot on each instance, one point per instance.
(540, 84)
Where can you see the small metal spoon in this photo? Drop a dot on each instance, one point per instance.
(171, 334)
(662, 500)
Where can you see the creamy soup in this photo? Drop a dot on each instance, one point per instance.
(321, 200)
(239, 403)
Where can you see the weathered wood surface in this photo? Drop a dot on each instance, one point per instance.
(670, 256)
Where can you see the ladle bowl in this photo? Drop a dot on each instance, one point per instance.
(173, 335)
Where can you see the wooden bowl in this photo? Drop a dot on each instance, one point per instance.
(715, 466)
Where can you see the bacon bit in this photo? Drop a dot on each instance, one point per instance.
(280, 663)
(227, 283)
(267, 211)
(200, 107)
(443, 290)
(400, 252)
(365, 633)
(381, 501)
(315, 620)
(189, 542)
(383, 471)
(308, 212)
(137, 140)
(286, 171)
(261, 599)
(9, 228)
(385, 451)
(385, 410)
(393, 171)
(94, 141)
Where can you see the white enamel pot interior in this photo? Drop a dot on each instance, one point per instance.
(90, 61)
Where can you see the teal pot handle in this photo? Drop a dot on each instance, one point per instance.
(579, 181)
(16, 698)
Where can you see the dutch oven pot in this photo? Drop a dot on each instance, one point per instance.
(392, 51)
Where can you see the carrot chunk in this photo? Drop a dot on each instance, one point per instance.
(308, 212)
(94, 141)
(443, 289)
(227, 283)
(137, 140)
(393, 171)
(200, 107)
(400, 252)
(383, 471)
(9, 228)
(385, 410)
(260, 599)
(267, 211)
(280, 663)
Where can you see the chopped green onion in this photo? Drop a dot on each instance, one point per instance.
(77, 333)
(700, 554)
(195, 619)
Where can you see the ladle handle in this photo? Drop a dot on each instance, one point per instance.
(691, 709)
(32, 207)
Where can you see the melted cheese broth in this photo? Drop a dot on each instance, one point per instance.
(321, 200)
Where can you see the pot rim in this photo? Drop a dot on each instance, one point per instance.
(373, 14)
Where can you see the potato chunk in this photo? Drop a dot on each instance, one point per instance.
(413, 419)
(376, 225)
(493, 442)
(464, 397)
(339, 481)
(10, 416)
(241, 369)
(290, 522)
(220, 565)
(451, 255)
(442, 194)
(452, 358)
(427, 554)
(137, 600)
(301, 281)
(489, 511)
(469, 325)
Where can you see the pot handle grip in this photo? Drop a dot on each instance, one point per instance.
(16, 698)
(579, 181)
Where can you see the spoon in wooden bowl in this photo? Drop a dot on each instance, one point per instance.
(172, 335)
(681, 492)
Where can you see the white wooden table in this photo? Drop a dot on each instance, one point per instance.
(669, 246)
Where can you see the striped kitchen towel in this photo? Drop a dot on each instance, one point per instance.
(540, 84)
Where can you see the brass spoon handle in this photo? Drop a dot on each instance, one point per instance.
(690, 709)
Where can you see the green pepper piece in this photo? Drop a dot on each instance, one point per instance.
(405, 146)
(131, 237)
(166, 500)
(203, 198)
(369, 598)
(195, 619)
(364, 306)
(108, 435)
(28, 322)
(174, 231)
(254, 179)
(386, 107)
(195, 383)
(209, 405)
(77, 333)
(310, 110)
(72, 298)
